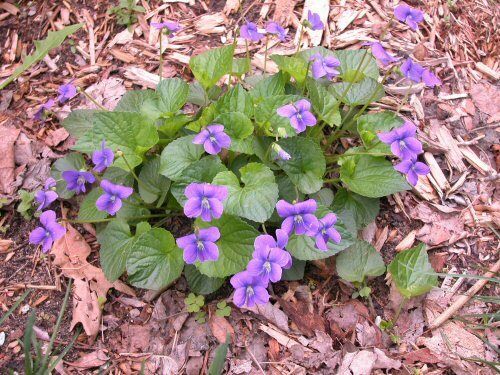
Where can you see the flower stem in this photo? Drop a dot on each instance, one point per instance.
(139, 182)
(247, 50)
(300, 38)
(114, 218)
(305, 78)
(264, 228)
(100, 106)
(398, 311)
(265, 55)
(160, 68)
(405, 99)
(332, 158)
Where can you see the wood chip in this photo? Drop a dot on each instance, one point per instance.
(407, 242)
(281, 338)
(485, 69)
(436, 171)
(453, 153)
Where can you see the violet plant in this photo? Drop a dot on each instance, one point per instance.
(258, 168)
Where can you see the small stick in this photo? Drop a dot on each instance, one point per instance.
(256, 362)
(462, 300)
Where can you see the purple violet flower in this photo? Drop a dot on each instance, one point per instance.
(327, 232)
(111, 200)
(411, 16)
(269, 257)
(76, 180)
(66, 92)
(249, 31)
(170, 27)
(213, 139)
(430, 79)
(204, 200)
(275, 29)
(249, 290)
(102, 158)
(43, 109)
(402, 141)
(45, 198)
(299, 114)
(412, 169)
(315, 22)
(280, 153)
(49, 232)
(200, 245)
(324, 66)
(412, 70)
(299, 217)
(381, 54)
(50, 183)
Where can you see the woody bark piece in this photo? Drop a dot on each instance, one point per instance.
(474, 160)
(485, 69)
(436, 171)
(453, 153)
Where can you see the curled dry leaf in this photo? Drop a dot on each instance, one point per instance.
(220, 327)
(91, 286)
(273, 314)
(7, 163)
(90, 360)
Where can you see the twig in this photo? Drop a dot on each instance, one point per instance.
(462, 300)
(256, 362)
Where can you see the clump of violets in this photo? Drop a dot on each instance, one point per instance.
(299, 114)
(213, 138)
(417, 73)
(102, 158)
(326, 232)
(411, 16)
(111, 200)
(169, 27)
(298, 217)
(403, 141)
(49, 231)
(77, 180)
(249, 31)
(412, 168)
(314, 21)
(46, 196)
(42, 111)
(200, 246)
(204, 200)
(249, 290)
(275, 28)
(324, 66)
(66, 92)
(381, 54)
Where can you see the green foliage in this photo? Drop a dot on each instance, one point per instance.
(223, 309)
(200, 283)
(126, 12)
(412, 272)
(217, 366)
(25, 207)
(208, 67)
(42, 48)
(359, 261)
(355, 210)
(194, 303)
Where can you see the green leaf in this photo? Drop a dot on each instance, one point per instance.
(200, 283)
(256, 199)
(153, 183)
(239, 127)
(355, 210)
(25, 207)
(307, 164)
(132, 209)
(79, 122)
(371, 176)
(366, 91)
(203, 170)
(172, 95)
(324, 197)
(42, 48)
(268, 119)
(237, 99)
(371, 124)
(208, 67)
(116, 242)
(154, 260)
(240, 66)
(140, 101)
(119, 176)
(170, 126)
(207, 116)
(235, 246)
(130, 132)
(296, 272)
(197, 94)
(295, 66)
(412, 272)
(178, 155)
(359, 261)
(217, 365)
(269, 87)
(324, 103)
(73, 161)
(88, 210)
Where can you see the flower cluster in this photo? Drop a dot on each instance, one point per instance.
(270, 256)
(66, 92)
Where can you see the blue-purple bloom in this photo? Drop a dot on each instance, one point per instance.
(402, 141)
(170, 27)
(49, 232)
(269, 257)
(324, 66)
(249, 31)
(430, 79)
(299, 217)
(299, 114)
(102, 158)
(275, 29)
(412, 169)
(204, 200)
(327, 232)
(111, 200)
(213, 139)
(381, 54)
(200, 245)
(280, 153)
(249, 290)
(315, 22)
(46, 196)
(417, 73)
(76, 180)
(43, 109)
(66, 92)
(411, 16)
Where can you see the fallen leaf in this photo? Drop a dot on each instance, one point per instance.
(90, 360)
(106, 92)
(135, 338)
(347, 315)
(7, 161)
(300, 309)
(283, 11)
(384, 362)
(421, 355)
(220, 327)
(90, 287)
(358, 363)
(273, 314)
(5, 245)
(323, 343)
(486, 97)
(55, 137)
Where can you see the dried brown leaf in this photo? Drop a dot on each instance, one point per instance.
(8, 137)
(220, 327)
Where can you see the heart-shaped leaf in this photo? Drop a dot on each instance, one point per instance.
(359, 261)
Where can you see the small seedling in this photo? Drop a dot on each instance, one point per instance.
(201, 317)
(25, 207)
(194, 303)
(126, 12)
(223, 309)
